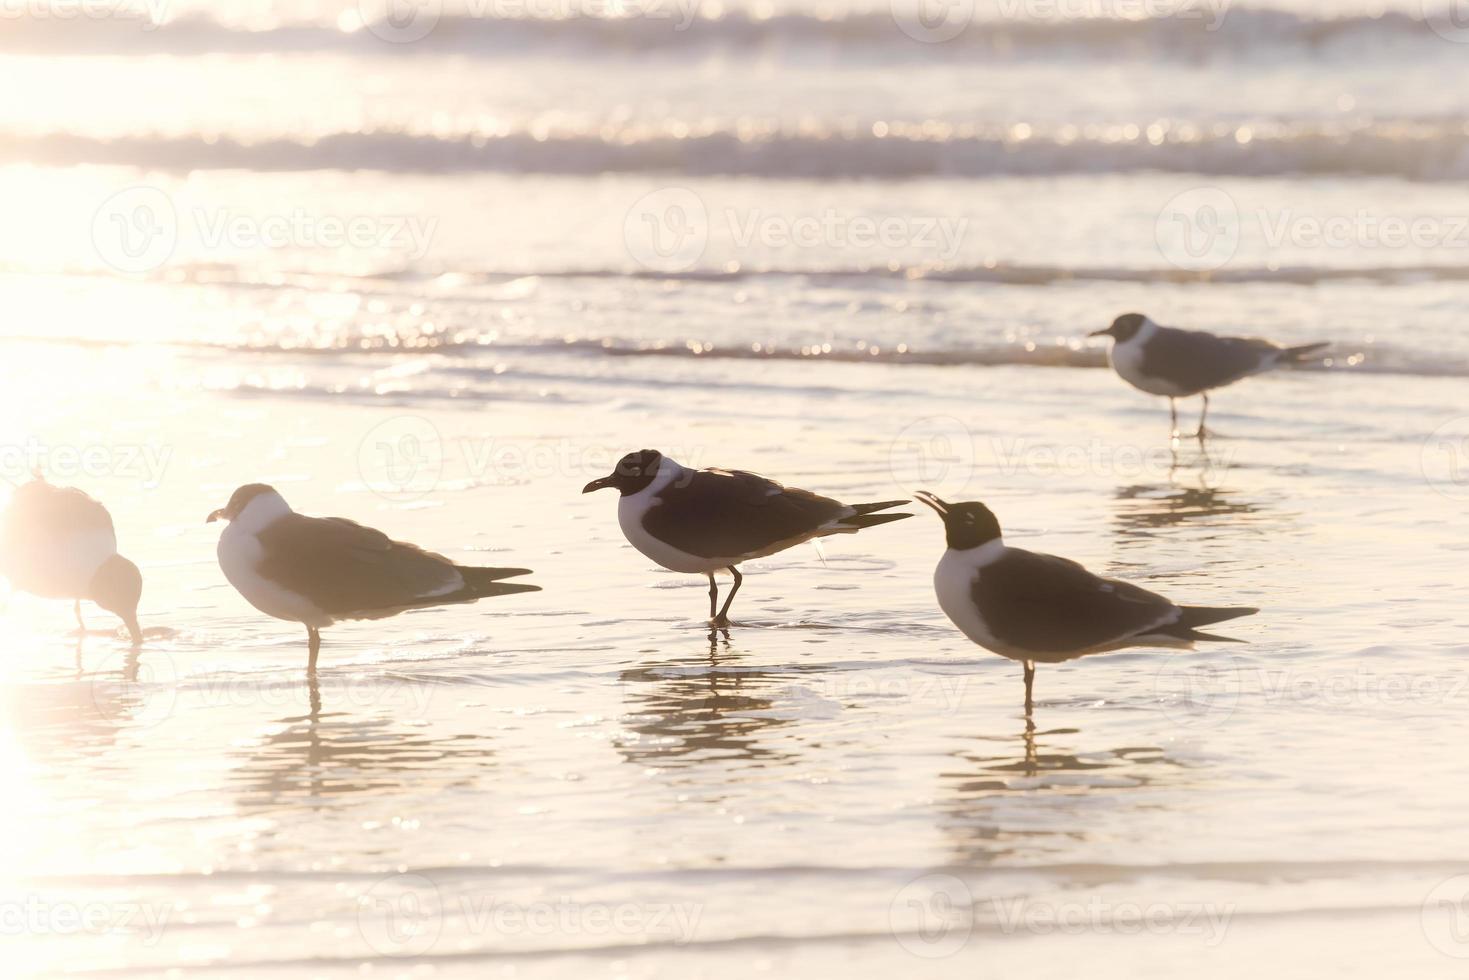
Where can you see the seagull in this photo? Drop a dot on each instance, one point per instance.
(318, 570)
(1038, 608)
(703, 521)
(58, 543)
(1178, 363)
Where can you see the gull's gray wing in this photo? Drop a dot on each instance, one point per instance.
(350, 570)
(733, 514)
(1195, 360)
(1053, 605)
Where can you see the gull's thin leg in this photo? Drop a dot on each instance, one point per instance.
(1172, 417)
(81, 623)
(313, 644)
(1203, 415)
(713, 596)
(723, 618)
(1029, 683)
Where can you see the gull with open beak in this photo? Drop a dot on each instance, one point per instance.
(1038, 608)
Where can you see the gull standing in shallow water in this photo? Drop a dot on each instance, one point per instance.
(1178, 363)
(704, 521)
(319, 570)
(58, 543)
(1042, 609)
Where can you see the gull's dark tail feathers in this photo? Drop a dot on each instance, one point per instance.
(1195, 616)
(865, 516)
(481, 583)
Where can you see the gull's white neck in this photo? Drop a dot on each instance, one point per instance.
(976, 557)
(953, 584)
(261, 512)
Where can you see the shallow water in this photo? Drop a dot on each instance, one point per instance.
(585, 781)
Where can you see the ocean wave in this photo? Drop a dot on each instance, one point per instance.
(1074, 354)
(392, 278)
(1198, 31)
(1426, 150)
(1005, 274)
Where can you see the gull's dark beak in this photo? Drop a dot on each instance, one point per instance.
(214, 515)
(923, 496)
(1101, 333)
(606, 481)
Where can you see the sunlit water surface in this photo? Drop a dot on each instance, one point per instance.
(585, 781)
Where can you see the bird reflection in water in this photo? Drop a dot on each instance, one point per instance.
(701, 709)
(1034, 793)
(1193, 494)
(1144, 509)
(312, 759)
(55, 721)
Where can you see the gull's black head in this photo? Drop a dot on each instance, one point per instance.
(1125, 327)
(632, 473)
(238, 501)
(966, 525)
(117, 587)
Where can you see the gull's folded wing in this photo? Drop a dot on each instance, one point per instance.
(731, 513)
(1195, 360)
(1052, 605)
(347, 569)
